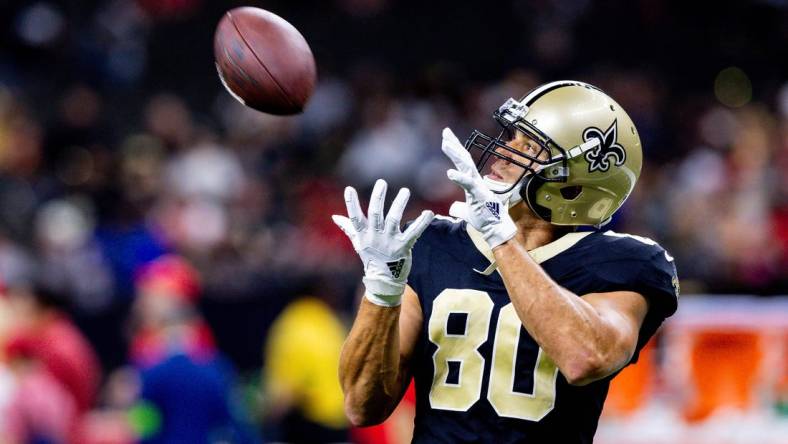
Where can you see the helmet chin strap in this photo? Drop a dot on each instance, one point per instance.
(511, 197)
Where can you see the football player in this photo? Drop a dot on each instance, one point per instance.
(511, 321)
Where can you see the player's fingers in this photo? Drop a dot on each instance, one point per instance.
(346, 226)
(454, 154)
(376, 204)
(454, 150)
(417, 227)
(354, 210)
(449, 136)
(394, 216)
(463, 180)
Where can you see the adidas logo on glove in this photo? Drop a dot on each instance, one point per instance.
(395, 267)
(495, 209)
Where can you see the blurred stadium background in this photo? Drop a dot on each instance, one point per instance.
(169, 269)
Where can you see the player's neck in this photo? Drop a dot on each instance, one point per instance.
(533, 232)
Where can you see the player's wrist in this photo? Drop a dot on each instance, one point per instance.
(500, 233)
(388, 301)
(383, 292)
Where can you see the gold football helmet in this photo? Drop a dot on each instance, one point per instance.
(588, 158)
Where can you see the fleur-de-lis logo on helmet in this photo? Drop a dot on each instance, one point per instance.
(608, 149)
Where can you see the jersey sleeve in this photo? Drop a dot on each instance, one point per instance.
(651, 273)
(659, 283)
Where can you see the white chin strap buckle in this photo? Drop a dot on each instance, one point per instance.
(583, 148)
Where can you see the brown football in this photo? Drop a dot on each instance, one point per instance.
(264, 61)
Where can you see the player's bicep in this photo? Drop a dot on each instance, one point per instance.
(623, 313)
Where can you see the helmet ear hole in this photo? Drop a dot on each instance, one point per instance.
(571, 192)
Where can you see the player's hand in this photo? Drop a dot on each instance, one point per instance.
(385, 251)
(485, 211)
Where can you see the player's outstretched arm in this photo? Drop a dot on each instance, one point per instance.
(373, 367)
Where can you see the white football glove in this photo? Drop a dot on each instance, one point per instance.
(484, 209)
(385, 251)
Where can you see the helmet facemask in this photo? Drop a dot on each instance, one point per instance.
(487, 150)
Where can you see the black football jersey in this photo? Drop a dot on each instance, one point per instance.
(479, 375)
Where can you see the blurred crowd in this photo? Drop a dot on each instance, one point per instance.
(152, 229)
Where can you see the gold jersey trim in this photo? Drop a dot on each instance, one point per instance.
(539, 254)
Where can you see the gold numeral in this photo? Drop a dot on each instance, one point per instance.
(457, 348)
(462, 349)
(500, 393)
